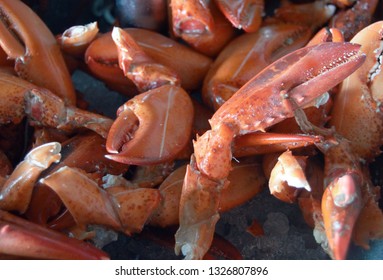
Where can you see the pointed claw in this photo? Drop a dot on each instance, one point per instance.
(191, 17)
(301, 76)
(341, 205)
(243, 14)
(40, 62)
(262, 143)
(22, 238)
(158, 129)
(140, 67)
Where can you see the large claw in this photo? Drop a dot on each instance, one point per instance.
(166, 112)
(290, 83)
(38, 58)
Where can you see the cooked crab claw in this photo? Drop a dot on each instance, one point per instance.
(19, 237)
(341, 205)
(26, 39)
(191, 17)
(290, 83)
(243, 14)
(139, 67)
(16, 192)
(166, 112)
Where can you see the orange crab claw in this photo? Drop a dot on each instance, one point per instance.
(145, 73)
(102, 59)
(19, 237)
(191, 17)
(166, 112)
(76, 39)
(38, 59)
(201, 25)
(246, 15)
(341, 205)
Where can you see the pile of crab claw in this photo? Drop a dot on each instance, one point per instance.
(227, 101)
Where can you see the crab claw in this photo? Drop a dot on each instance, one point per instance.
(341, 205)
(153, 127)
(19, 237)
(243, 14)
(38, 57)
(145, 73)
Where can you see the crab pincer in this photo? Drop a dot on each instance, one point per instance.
(164, 109)
(290, 83)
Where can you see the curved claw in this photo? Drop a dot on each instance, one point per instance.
(22, 238)
(17, 190)
(76, 39)
(341, 205)
(40, 61)
(145, 73)
(166, 112)
(102, 59)
(191, 17)
(246, 15)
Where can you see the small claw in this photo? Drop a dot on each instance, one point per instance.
(17, 190)
(191, 17)
(140, 67)
(166, 112)
(19, 237)
(40, 61)
(246, 15)
(76, 39)
(341, 205)
(288, 177)
(267, 142)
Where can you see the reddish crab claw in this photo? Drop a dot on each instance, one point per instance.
(165, 112)
(38, 59)
(290, 83)
(243, 14)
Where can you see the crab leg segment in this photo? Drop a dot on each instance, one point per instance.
(265, 100)
(40, 61)
(20, 237)
(17, 190)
